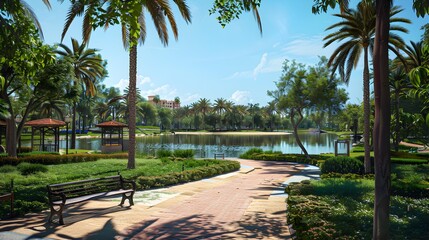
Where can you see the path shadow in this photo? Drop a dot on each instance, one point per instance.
(72, 214)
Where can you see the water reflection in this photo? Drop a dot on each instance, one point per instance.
(231, 145)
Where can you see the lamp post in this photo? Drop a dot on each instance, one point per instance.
(67, 119)
(18, 120)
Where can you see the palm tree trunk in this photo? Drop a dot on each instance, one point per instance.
(397, 119)
(382, 122)
(73, 126)
(366, 113)
(132, 108)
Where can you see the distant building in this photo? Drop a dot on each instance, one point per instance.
(163, 103)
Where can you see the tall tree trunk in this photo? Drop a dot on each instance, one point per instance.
(132, 108)
(382, 122)
(295, 131)
(73, 126)
(397, 119)
(366, 113)
(11, 137)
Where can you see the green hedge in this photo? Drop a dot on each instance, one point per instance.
(342, 164)
(58, 159)
(258, 154)
(147, 182)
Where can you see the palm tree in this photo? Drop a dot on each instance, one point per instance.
(176, 102)
(87, 67)
(357, 32)
(203, 105)
(159, 11)
(220, 107)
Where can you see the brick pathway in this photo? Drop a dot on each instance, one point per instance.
(241, 206)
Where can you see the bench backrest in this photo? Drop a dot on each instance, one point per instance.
(86, 187)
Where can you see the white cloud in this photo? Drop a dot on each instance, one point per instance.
(244, 74)
(190, 99)
(164, 92)
(241, 97)
(259, 68)
(141, 80)
(308, 46)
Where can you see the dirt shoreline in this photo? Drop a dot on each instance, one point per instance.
(234, 133)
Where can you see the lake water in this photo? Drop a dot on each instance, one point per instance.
(231, 145)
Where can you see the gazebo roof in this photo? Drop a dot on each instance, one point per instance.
(2, 122)
(111, 124)
(45, 122)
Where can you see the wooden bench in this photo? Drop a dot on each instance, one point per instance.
(63, 194)
(9, 197)
(219, 155)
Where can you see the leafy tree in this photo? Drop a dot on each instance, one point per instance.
(165, 118)
(22, 54)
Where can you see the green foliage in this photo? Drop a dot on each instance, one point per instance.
(7, 169)
(259, 154)
(251, 152)
(163, 153)
(31, 168)
(184, 153)
(342, 164)
(342, 209)
(410, 180)
(58, 159)
(205, 168)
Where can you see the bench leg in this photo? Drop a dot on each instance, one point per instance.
(130, 199)
(58, 212)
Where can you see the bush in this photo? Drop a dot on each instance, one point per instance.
(184, 153)
(58, 159)
(207, 169)
(29, 168)
(7, 169)
(163, 153)
(251, 152)
(342, 164)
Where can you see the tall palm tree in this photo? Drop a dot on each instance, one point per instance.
(159, 11)
(357, 32)
(220, 107)
(87, 67)
(203, 105)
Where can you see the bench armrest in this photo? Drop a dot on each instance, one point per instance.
(132, 182)
(62, 195)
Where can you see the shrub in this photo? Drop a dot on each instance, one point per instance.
(184, 153)
(342, 164)
(251, 152)
(163, 153)
(206, 169)
(7, 169)
(29, 168)
(58, 159)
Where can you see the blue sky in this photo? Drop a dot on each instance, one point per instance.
(235, 63)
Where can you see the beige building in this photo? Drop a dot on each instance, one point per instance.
(164, 103)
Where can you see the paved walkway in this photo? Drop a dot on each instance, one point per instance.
(249, 204)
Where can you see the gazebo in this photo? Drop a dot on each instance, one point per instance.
(112, 136)
(46, 126)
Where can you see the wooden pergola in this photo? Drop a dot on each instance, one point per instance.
(112, 136)
(45, 127)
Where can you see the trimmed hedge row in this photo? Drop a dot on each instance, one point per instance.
(259, 154)
(147, 182)
(59, 159)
